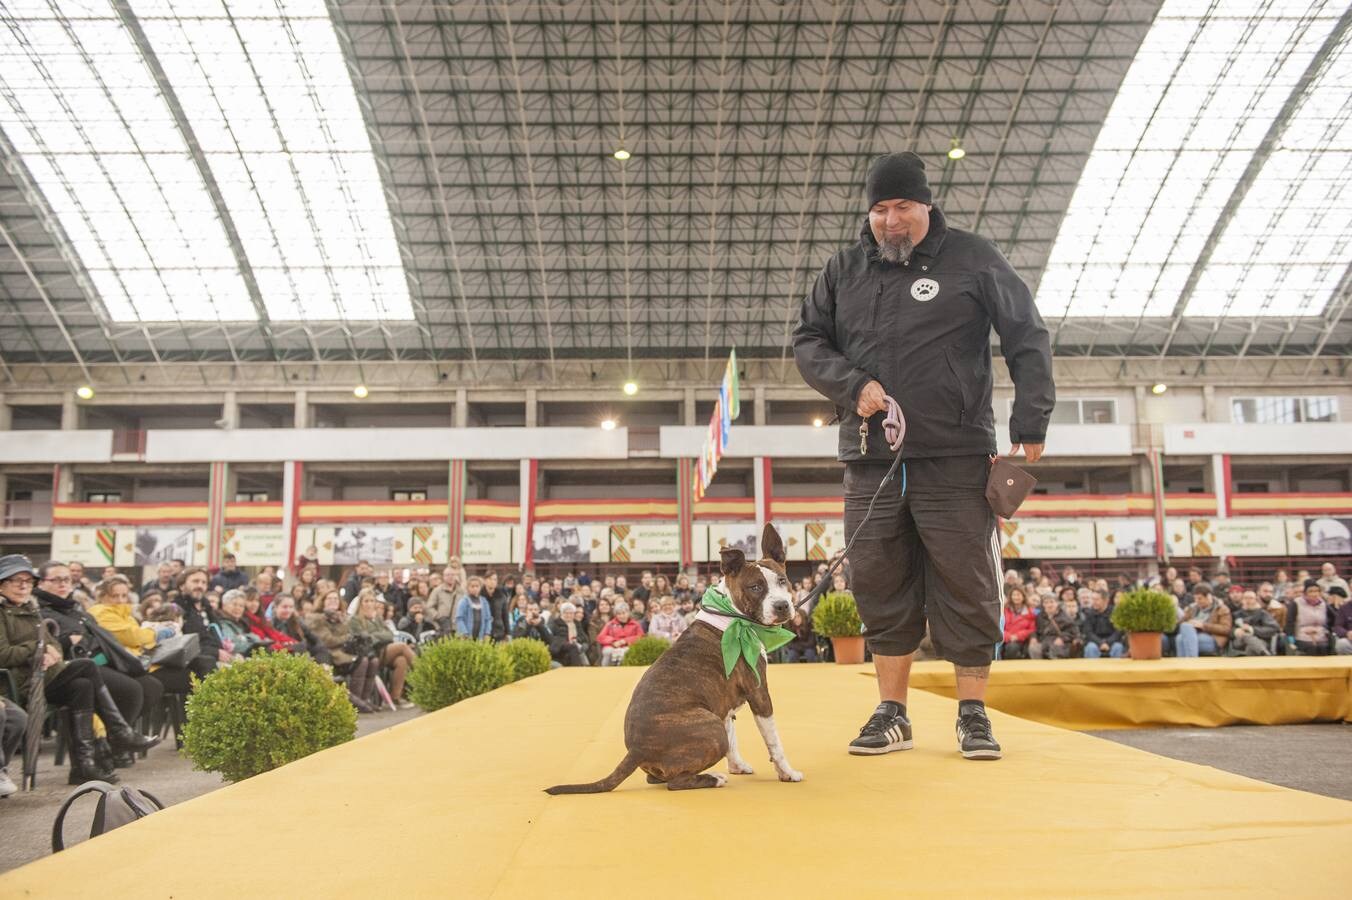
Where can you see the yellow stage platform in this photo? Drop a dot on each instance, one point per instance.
(1088, 694)
(450, 805)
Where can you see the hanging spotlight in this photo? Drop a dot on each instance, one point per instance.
(631, 388)
(817, 422)
(84, 392)
(1158, 388)
(955, 151)
(621, 154)
(607, 424)
(360, 392)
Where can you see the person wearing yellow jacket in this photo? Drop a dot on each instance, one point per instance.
(113, 611)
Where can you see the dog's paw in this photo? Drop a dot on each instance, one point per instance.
(740, 767)
(719, 779)
(790, 775)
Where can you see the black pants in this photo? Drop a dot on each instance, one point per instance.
(75, 685)
(930, 556)
(132, 694)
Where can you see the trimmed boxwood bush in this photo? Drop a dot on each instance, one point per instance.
(453, 669)
(527, 657)
(645, 651)
(264, 712)
(837, 616)
(1145, 610)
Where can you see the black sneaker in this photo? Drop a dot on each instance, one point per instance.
(886, 730)
(974, 735)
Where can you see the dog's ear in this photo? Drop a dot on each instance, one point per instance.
(731, 561)
(772, 547)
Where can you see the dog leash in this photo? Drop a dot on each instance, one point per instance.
(894, 431)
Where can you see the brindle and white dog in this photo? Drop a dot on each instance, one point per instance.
(680, 718)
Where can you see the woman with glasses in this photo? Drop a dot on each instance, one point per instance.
(76, 685)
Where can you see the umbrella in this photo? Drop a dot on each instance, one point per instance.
(36, 707)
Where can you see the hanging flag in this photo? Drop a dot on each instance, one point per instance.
(719, 434)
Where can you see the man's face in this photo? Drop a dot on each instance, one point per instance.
(264, 583)
(166, 572)
(109, 571)
(175, 568)
(228, 564)
(1100, 603)
(195, 585)
(1313, 595)
(1194, 576)
(532, 612)
(1072, 608)
(1202, 600)
(1249, 600)
(364, 570)
(1265, 592)
(491, 583)
(1327, 570)
(898, 225)
(77, 572)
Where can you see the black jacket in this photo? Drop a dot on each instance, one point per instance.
(228, 581)
(540, 631)
(71, 619)
(928, 346)
(198, 621)
(1098, 627)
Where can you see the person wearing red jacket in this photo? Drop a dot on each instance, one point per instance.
(1020, 623)
(261, 627)
(618, 634)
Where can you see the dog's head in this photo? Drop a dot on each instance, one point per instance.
(760, 589)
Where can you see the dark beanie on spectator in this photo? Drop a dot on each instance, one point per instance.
(1337, 589)
(1310, 582)
(897, 176)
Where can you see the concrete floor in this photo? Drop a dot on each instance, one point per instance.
(26, 818)
(1305, 757)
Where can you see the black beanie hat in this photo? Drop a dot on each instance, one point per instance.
(897, 176)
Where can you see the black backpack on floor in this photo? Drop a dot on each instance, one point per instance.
(117, 806)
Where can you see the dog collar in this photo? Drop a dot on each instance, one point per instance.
(743, 638)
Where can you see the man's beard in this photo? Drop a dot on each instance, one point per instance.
(896, 250)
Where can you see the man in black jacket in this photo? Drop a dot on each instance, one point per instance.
(197, 618)
(907, 313)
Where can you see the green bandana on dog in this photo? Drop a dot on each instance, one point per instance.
(743, 638)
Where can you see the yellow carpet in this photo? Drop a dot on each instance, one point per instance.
(450, 805)
(1087, 694)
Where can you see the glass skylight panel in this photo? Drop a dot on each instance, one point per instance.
(1201, 93)
(268, 95)
(1290, 241)
(85, 116)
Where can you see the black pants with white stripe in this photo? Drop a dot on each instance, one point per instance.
(930, 555)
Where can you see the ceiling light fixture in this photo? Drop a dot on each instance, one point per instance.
(84, 392)
(621, 154)
(607, 424)
(817, 422)
(631, 388)
(1158, 388)
(360, 392)
(955, 151)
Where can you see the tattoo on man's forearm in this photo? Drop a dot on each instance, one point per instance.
(980, 672)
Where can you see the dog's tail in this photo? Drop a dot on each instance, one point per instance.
(609, 783)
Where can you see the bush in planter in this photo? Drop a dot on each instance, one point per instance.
(837, 616)
(645, 651)
(1145, 610)
(454, 669)
(527, 657)
(264, 712)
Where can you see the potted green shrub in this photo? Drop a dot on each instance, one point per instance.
(645, 651)
(264, 712)
(837, 617)
(454, 669)
(1145, 615)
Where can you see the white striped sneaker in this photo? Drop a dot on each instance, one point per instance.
(886, 730)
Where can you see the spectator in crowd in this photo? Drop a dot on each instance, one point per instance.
(1020, 623)
(596, 620)
(666, 622)
(474, 614)
(497, 597)
(568, 643)
(352, 658)
(1101, 637)
(83, 585)
(1329, 577)
(518, 610)
(1307, 622)
(230, 576)
(163, 581)
(1206, 624)
(296, 638)
(266, 584)
(390, 592)
(803, 647)
(13, 722)
(618, 635)
(416, 623)
(362, 572)
(75, 684)
(124, 676)
(261, 627)
(1057, 636)
(1254, 628)
(234, 630)
(1342, 620)
(533, 625)
(1234, 595)
(644, 590)
(442, 602)
(197, 617)
(397, 657)
(638, 611)
(683, 589)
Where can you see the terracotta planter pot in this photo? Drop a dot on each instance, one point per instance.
(848, 650)
(1146, 644)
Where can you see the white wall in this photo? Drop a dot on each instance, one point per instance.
(56, 446)
(1314, 438)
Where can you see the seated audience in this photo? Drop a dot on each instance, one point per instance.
(803, 647)
(618, 635)
(569, 641)
(1020, 623)
(666, 622)
(353, 658)
(1342, 620)
(1058, 637)
(1205, 625)
(533, 625)
(1307, 622)
(1101, 637)
(416, 621)
(392, 654)
(1254, 628)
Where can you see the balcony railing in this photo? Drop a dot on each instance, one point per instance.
(26, 514)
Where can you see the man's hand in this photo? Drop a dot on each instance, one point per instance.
(871, 400)
(1105, 648)
(1033, 452)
